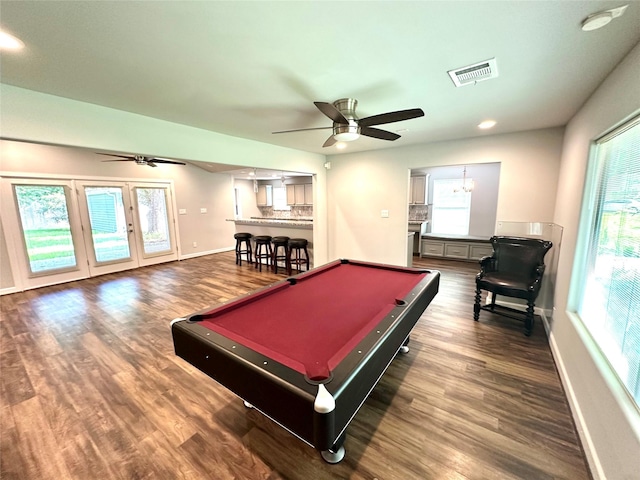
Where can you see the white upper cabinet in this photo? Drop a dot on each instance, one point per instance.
(419, 190)
(264, 197)
(300, 194)
(308, 193)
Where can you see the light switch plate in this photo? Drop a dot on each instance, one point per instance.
(182, 211)
(203, 210)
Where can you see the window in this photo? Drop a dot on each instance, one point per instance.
(280, 198)
(609, 297)
(451, 208)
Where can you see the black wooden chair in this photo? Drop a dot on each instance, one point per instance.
(514, 270)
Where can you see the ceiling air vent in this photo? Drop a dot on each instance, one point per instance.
(475, 73)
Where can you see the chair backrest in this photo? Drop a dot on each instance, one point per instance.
(519, 255)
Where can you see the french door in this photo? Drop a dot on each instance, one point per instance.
(71, 229)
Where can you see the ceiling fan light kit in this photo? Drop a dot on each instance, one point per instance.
(141, 160)
(347, 127)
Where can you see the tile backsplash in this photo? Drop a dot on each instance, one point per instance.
(418, 212)
(303, 211)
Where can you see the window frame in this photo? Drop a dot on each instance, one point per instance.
(584, 262)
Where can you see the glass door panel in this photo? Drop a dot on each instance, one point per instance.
(42, 232)
(108, 226)
(155, 222)
(46, 230)
(109, 233)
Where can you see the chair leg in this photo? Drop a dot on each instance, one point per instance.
(476, 305)
(528, 321)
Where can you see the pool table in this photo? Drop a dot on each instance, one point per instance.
(308, 350)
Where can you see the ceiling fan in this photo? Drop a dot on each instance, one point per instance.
(140, 159)
(347, 126)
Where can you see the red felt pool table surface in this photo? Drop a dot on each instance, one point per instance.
(311, 325)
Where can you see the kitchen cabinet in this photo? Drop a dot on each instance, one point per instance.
(308, 193)
(477, 251)
(419, 190)
(456, 248)
(300, 194)
(264, 197)
(291, 195)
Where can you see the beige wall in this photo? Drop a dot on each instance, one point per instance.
(194, 188)
(609, 423)
(40, 118)
(360, 185)
(247, 196)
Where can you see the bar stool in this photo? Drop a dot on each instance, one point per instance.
(241, 238)
(263, 241)
(280, 242)
(297, 245)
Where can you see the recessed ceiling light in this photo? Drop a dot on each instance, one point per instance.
(487, 124)
(9, 42)
(600, 19)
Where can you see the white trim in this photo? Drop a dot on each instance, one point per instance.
(8, 290)
(581, 426)
(202, 254)
(56, 176)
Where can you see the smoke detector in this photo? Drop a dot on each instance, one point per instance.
(472, 74)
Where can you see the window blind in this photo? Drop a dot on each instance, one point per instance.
(610, 303)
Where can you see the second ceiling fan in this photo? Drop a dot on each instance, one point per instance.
(347, 126)
(140, 159)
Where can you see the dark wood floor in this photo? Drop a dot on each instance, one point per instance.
(91, 389)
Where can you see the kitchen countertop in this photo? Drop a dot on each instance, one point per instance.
(275, 222)
(460, 238)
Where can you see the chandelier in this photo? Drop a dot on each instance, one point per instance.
(466, 186)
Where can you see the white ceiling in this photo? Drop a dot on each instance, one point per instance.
(249, 68)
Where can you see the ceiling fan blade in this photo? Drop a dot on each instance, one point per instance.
(160, 160)
(120, 160)
(377, 133)
(119, 156)
(302, 129)
(391, 117)
(330, 141)
(332, 112)
(151, 164)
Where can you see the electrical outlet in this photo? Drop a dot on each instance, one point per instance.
(195, 244)
(384, 213)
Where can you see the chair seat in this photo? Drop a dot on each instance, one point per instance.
(508, 284)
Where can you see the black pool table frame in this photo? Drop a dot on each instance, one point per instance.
(287, 396)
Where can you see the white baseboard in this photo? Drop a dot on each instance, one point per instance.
(583, 431)
(202, 254)
(516, 306)
(8, 290)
